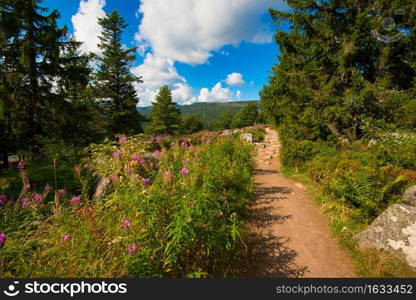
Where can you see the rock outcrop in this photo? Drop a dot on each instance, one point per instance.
(409, 196)
(394, 231)
(248, 137)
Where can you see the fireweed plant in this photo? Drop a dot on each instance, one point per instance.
(175, 209)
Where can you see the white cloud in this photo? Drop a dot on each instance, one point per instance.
(217, 94)
(238, 95)
(189, 30)
(86, 27)
(183, 94)
(157, 71)
(235, 79)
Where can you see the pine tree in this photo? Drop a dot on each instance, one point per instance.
(337, 79)
(115, 82)
(165, 117)
(247, 116)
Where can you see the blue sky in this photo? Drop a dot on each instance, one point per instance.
(205, 50)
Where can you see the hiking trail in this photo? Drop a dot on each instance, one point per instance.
(288, 235)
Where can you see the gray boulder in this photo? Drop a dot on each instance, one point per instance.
(409, 196)
(248, 137)
(102, 187)
(394, 231)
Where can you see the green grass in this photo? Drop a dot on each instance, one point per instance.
(185, 223)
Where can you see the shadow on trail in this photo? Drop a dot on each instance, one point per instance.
(266, 171)
(267, 255)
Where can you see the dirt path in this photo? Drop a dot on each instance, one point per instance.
(288, 234)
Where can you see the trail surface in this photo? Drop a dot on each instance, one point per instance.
(288, 234)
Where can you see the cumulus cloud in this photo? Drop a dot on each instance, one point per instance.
(189, 30)
(216, 94)
(235, 79)
(86, 27)
(157, 71)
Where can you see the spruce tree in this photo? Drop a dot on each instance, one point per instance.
(337, 79)
(165, 117)
(115, 83)
(30, 60)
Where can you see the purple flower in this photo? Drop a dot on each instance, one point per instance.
(142, 161)
(37, 197)
(25, 202)
(126, 224)
(75, 200)
(47, 189)
(133, 249)
(135, 157)
(21, 165)
(65, 238)
(3, 199)
(2, 239)
(168, 174)
(157, 153)
(116, 155)
(146, 180)
(209, 142)
(129, 171)
(158, 139)
(122, 139)
(184, 145)
(62, 192)
(191, 147)
(184, 171)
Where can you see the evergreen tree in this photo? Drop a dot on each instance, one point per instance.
(31, 44)
(165, 117)
(192, 124)
(337, 79)
(247, 116)
(81, 121)
(115, 83)
(225, 120)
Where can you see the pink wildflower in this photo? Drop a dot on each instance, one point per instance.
(146, 180)
(135, 157)
(184, 171)
(191, 147)
(25, 202)
(37, 197)
(157, 153)
(116, 155)
(62, 192)
(75, 200)
(2, 239)
(168, 174)
(126, 225)
(158, 139)
(129, 171)
(184, 145)
(21, 165)
(3, 199)
(122, 139)
(65, 238)
(133, 249)
(47, 189)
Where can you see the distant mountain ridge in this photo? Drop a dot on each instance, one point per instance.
(209, 111)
